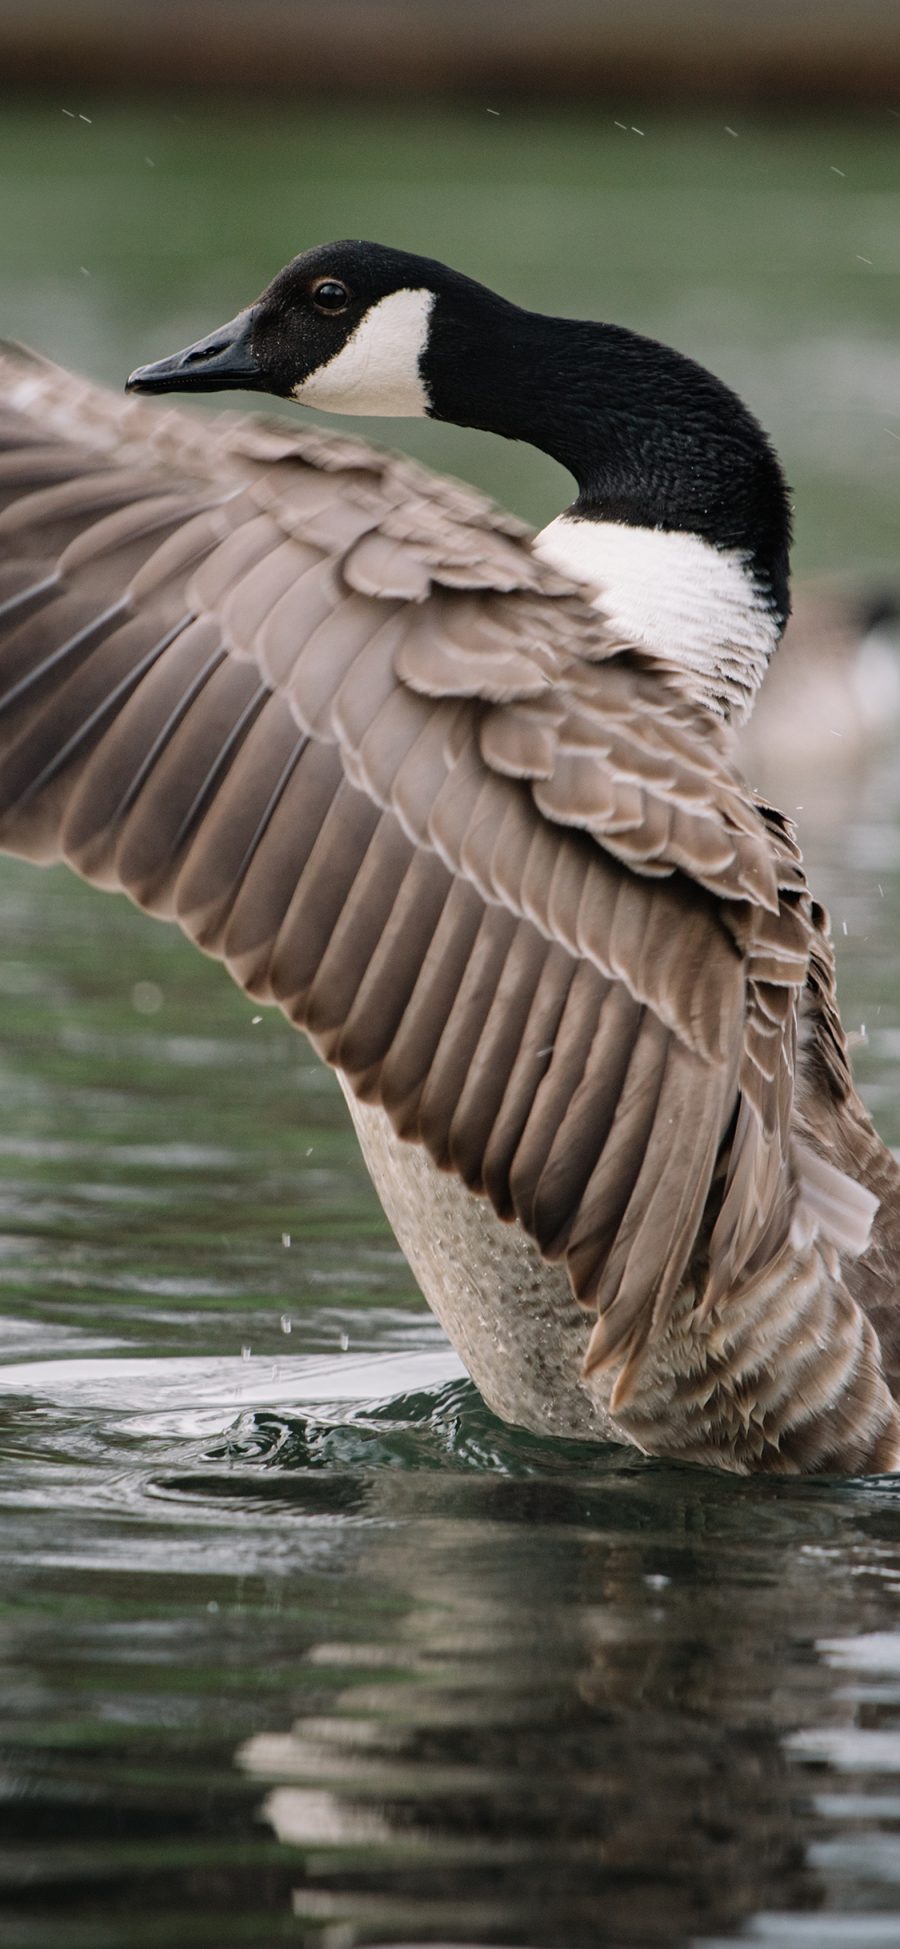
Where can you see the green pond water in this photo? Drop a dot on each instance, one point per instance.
(298, 1644)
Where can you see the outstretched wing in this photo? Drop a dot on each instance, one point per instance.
(335, 718)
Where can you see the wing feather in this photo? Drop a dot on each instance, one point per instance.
(338, 720)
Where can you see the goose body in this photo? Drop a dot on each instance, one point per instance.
(464, 805)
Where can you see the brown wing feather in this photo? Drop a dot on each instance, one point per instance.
(338, 720)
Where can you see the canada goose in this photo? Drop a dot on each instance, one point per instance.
(475, 827)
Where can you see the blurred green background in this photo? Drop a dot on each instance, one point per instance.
(765, 244)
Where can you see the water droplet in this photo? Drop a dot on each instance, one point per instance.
(147, 997)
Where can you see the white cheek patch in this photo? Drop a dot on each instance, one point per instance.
(377, 369)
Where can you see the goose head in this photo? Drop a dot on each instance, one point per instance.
(682, 519)
(345, 327)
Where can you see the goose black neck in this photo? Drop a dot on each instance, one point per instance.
(652, 439)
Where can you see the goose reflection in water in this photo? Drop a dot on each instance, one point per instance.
(567, 1731)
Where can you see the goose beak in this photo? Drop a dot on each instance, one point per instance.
(223, 360)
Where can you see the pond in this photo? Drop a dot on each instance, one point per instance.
(297, 1642)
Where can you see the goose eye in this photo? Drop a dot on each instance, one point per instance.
(331, 295)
